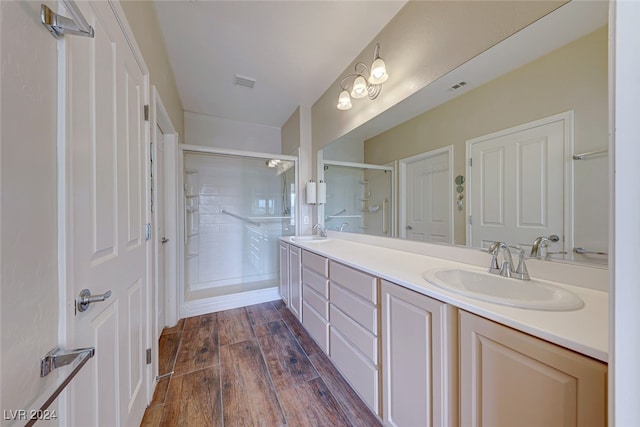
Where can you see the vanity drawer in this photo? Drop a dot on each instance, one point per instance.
(356, 281)
(317, 282)
(316, 263)
(362, 339)
(315, 300)
(355, 307)
(361, 374)
(316, 326)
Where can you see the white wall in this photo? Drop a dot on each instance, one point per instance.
(29, 278)
(217, 132)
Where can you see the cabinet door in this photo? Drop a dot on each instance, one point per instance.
(295, 282)
(284, 272)
(419, 359)
(510, 378)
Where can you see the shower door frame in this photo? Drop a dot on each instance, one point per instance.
(197, 307)
(394, 183)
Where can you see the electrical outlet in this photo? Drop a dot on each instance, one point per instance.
(305, 220)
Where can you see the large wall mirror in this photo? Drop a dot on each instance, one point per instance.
(510, 146)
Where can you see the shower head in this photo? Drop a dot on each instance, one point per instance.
(280, 165)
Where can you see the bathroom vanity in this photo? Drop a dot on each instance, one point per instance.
(420, 355)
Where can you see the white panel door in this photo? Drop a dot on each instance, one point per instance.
(516, 186)
(105, 214)
(428, 197)
(159, 207)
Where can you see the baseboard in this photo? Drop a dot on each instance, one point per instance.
(227, 302)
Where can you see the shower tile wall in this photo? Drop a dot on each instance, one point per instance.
(229, 250)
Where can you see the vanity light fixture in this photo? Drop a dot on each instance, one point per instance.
(363, 86)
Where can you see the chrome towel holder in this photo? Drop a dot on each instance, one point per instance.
(59, 25)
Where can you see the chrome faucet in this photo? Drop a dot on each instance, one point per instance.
(344, 226)
(506, 268)
(507, 261)
(321, 230)
(542, 242)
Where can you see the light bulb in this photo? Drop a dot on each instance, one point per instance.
(344, 101)
(359, 87)
(378, 72)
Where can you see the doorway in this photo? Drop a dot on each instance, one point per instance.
(520, 184)
(426, 194)
(236, 206)
(162, 196)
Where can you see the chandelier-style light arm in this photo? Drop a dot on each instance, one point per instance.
(367, 81)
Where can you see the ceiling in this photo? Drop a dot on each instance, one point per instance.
(293, 49)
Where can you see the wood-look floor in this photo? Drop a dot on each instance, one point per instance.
(252, 366)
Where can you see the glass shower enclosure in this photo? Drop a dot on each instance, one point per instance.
(236, 207)
(359, 198)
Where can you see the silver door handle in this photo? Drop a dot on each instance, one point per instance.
(164, 240)
(85, 298)
(409, 227)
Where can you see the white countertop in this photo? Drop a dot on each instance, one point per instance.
(584, 330)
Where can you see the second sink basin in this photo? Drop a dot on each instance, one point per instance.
(531, 294)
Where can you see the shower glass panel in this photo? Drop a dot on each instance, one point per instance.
(236, 209)
(359, 199)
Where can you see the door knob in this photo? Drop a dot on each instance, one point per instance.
(164, 240)
(85, 299)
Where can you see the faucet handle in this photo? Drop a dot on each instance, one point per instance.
(493, 251)
(521, 271)
(493, 248)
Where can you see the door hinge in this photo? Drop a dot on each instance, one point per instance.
(146, 113)
(470, 219)
(147, 232)
(471, 161)
(148, 356)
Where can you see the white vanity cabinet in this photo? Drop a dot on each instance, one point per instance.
(419, 359)
(353, 333)
(315, 298)
(284, 272)
(510, 378)
(295, 281)
(290, 278)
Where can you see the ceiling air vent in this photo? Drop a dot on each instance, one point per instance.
(244, 81)
(457, 86)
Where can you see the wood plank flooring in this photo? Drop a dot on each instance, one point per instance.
(252, 366)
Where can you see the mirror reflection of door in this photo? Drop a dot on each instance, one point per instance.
(519, 184)
(426, 182)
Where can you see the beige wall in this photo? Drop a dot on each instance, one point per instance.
(28, 147)
(424, 41)
(291, 134)
(143, 19)
(571, 78)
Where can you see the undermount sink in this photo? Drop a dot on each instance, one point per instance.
(531, 294)
(308, 239)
